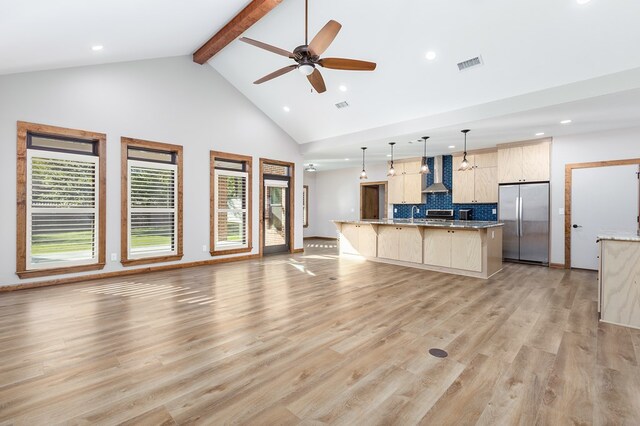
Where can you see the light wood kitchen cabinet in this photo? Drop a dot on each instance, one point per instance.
(358, 239)
(406, 186)
(479, 184)
(459, 249)
(466, 250)
(525, 163)
(396, 190)
(400, 243)
(619, 281)
(437, 247)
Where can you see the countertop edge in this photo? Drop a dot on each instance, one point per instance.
(622, 237)
(456, 224)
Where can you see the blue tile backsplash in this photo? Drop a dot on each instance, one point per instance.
(444, 201)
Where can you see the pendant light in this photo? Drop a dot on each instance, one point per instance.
(363, 173)
(392, 171)
(465, 165)
(424, 169)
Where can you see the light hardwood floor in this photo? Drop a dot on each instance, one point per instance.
(312, 339)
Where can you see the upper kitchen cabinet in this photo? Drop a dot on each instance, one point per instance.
(478, 184)
(406, 186)
(524, 162)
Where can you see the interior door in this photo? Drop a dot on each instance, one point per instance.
(508, 213)
(276, 215)
(370, 202)
(603, 199)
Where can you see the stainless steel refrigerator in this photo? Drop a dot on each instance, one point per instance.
(524, 210)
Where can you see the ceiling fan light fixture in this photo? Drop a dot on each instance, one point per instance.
(306, 69)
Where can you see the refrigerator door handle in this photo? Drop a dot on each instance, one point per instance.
(520, 216)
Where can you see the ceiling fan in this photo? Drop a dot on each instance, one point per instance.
(307, 56)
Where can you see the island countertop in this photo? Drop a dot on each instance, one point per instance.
(619, 236)
(459, 224)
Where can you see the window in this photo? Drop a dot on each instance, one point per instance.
(230, 203)
(151, 202)
(60, 200)
(305, 206)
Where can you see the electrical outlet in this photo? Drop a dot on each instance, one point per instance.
(204, 248)
(114, 257)
(493, 211)
(561, 211)
(395, 210)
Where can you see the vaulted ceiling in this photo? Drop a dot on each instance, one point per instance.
(544, 61)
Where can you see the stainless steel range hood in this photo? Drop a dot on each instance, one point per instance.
(438, 186)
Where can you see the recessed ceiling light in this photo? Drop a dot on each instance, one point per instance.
(346, 159)
(430, 55)
(286, 108)
(451, 146)
(565, 122)
(540, 134)
(582, 1)
(97, 48)
(388, 155)
(342, 88)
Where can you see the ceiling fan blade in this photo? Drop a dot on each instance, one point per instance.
(347, 64)
(268, 47)
(316, 80)
(325, 37)
(275, 74)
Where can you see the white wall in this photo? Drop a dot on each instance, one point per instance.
(166, 100)
(602, 146)
(337, 196)
(310, 181)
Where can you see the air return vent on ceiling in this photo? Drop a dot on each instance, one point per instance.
(470, 63)
(341, 105)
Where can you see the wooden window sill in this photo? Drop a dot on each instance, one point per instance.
(147, 260)
(59, 271)
(233, 251)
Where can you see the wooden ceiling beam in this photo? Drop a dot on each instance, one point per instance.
(238, 25)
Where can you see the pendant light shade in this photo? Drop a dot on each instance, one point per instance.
(424, 168)
(392, 171)
(363, 173)
(465, 165)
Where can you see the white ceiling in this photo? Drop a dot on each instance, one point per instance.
(528, 46)
(47, 34)
(545, 60)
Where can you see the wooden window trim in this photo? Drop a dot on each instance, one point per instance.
(292, 205)
(248, 160)
(125, 144)
(305, 198)
(23, 128)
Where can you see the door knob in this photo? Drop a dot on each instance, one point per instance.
(577, 226)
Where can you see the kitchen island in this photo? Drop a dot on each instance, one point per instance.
(619, 279)
(470, 248)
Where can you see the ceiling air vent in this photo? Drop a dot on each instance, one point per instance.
(470, 63)
(342, 104)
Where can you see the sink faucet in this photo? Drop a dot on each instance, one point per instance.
(416, 209)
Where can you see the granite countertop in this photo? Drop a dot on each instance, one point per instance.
(469, 224)
(619, 236)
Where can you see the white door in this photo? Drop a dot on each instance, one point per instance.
(603, 199)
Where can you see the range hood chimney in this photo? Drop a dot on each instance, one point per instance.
(438, 186)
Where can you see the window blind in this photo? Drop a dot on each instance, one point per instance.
(230, 210)
(62, 209)
(152, 209)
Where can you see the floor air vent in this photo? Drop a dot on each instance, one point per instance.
(470, 63)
